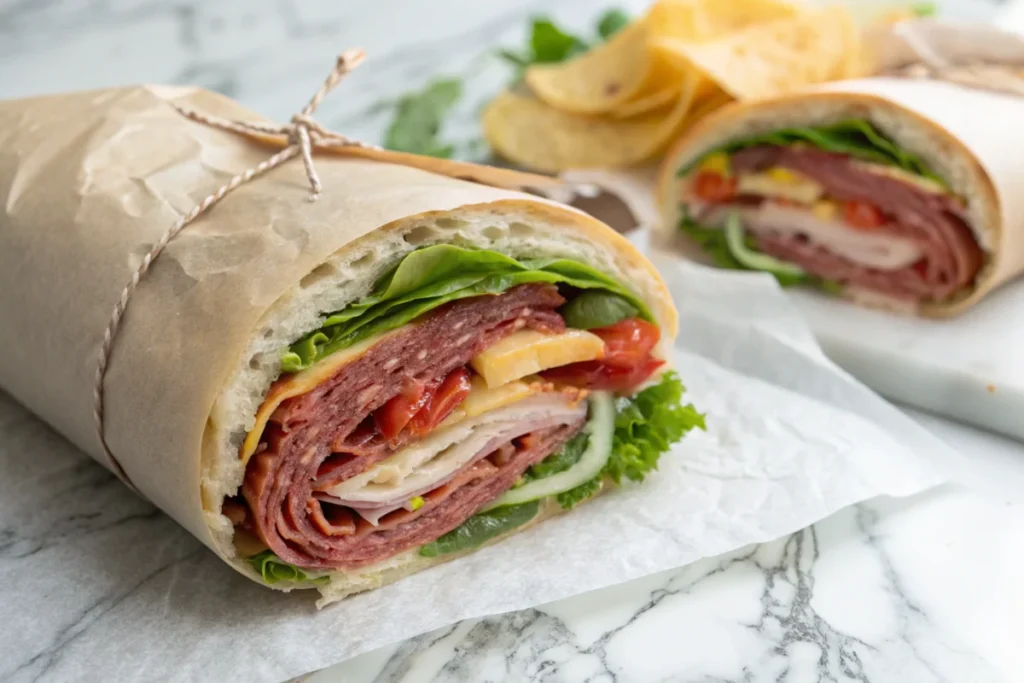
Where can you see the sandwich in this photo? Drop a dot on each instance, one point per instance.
(329, 395)
(893, 193)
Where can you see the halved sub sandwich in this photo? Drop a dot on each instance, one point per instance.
(332, 394)
(894, 193)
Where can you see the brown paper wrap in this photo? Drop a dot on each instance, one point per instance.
(89, 181)
(966, 132)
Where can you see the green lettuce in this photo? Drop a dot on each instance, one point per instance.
(573, 497)
(596, 308)
(433, 276)
(273, 569)
(646, 426)
(856, 138)
(713, 242)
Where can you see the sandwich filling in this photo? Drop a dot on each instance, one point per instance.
(439, 412)
(838, 207)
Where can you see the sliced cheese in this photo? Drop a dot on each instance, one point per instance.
(780, 183)
(482, 399)
(300, 383)
(528, 352)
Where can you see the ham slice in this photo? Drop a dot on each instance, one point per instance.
(316, 441)
(921, 223)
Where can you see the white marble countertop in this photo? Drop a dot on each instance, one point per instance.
(917, 590)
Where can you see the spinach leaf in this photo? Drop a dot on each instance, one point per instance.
(596, 308)
(481, 528)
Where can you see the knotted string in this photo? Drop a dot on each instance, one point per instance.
(303, 134)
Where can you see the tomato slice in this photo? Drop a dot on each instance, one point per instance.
(598, 375)
(627, 359)
(445, 399)
(393, 416)
(628, 342)
(863, 215)
(714, 187)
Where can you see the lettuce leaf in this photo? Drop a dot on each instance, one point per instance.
(573, 497)
(273, 569)
(433, 276)
(855, 137)
(647, 425)
(712, 241)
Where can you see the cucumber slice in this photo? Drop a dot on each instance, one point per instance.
(600, 429)
(749, 258)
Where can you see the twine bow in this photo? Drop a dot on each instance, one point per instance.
(303, 134)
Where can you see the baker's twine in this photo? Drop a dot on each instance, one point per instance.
(304, 135)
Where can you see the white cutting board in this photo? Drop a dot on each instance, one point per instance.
(970, 368)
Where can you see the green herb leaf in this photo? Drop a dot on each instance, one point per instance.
(611, 22)
(596, 308)
(573, 497)
(418, 119)
(647, 425)
(273, 569)
(550, 44)
(481, 528)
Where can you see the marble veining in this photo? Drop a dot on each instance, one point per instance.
(919, 590)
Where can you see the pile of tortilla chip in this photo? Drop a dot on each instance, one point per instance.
(621, 103)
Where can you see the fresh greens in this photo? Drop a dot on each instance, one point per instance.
(714, 243)
(273, 569)
(565, 458)
(646, 425)
(611, 22)
(432, 276)
(418, 119)
(596, 308)
(856, 138)
(481, 528)
(573, 497)
(549, 44)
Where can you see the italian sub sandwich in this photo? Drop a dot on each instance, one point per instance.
(329, 394)
(894, 193)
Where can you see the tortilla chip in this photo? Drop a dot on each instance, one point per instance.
(777, 56)
(598, 80)
(534, 134)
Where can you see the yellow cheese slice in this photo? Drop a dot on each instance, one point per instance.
(781, 183)
(301, 383)
(482, 399)
(528, 352)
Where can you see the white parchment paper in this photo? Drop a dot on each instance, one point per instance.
(97, 585)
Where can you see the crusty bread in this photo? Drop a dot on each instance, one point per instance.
(518, 228)
(939, 148)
